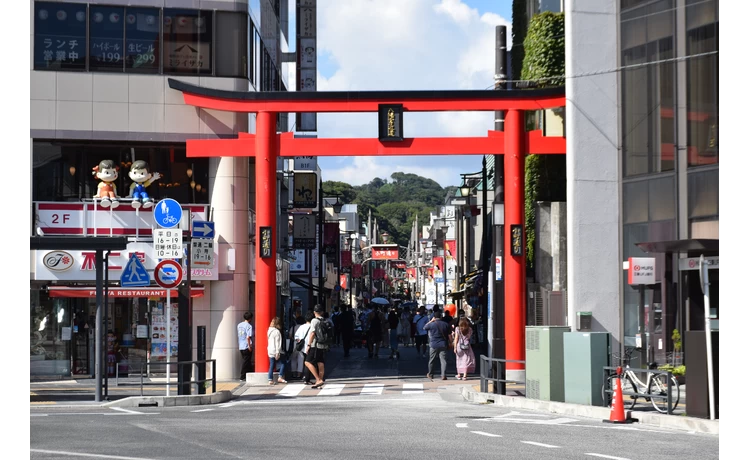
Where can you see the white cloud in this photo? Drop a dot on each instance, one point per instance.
(405, 45)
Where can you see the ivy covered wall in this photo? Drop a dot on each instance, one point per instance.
(543, 62)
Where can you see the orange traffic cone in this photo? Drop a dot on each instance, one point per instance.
(617, 414)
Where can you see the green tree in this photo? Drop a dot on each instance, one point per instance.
(545, 174)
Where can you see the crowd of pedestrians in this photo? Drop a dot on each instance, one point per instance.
(300, 352)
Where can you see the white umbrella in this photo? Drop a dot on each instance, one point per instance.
(380, 301)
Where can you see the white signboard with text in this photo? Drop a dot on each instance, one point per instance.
(61, 265)
(641, 270)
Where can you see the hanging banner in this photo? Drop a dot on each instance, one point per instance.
(342, 282)
(330, 238)
(346, 261)
(384, 251)
(411, 274)
(357, 271)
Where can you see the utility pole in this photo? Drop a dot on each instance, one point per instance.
(497, 342)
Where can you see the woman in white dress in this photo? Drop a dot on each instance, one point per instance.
(300, 335)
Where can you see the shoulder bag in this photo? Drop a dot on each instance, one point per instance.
(299, 346)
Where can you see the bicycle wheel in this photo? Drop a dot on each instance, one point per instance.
(658, 386)
(608, 387)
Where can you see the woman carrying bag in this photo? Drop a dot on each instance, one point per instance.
(276, 352)
(465, 361)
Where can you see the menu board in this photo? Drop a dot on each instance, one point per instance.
(159, 331)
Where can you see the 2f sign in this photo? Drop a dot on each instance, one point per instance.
(305, 163)
(641, 270)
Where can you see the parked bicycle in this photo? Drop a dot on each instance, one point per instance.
(656, 384)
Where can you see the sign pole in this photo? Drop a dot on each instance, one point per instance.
(169, 334)
(709, 346)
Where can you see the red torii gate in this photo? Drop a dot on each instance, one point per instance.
(266, 146)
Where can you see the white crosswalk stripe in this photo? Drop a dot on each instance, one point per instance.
(331, 389)
(372, 389)
(292, 389)
(413, 388)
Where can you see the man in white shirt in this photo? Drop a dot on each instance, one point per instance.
(245, 341)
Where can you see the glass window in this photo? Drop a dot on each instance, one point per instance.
(187, 41)
(703, 83)
(257, 47)
(635, 202)
(59, 36)
(106, 34)
(661, 199)
(231, 44)
(703, 194)
(648, 103)
(142, 40)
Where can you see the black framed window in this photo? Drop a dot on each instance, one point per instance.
(59, 36)
(257, 56)
(142, 42)
(106, 38)
(231, 44)
(187, 41)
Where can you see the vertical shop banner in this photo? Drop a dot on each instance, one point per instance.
(346, 261)
(304, 230)
(342, 282)
(307, 58)
(330, 239)
(357, 271)
(305, 190)
(378, 274)
(411, 274)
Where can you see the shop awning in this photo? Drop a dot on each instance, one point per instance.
(696, 245)
(90, 291)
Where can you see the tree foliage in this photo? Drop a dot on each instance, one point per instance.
(545, 174)
(394, 204)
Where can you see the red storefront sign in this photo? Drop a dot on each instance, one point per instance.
(357, 271)
(384, 251)
(342, 282)
(398, 264)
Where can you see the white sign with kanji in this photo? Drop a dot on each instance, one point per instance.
(202, 252)
(168, 243)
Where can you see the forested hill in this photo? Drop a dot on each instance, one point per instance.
(394, 203)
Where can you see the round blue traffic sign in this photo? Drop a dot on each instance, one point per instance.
(167, 213)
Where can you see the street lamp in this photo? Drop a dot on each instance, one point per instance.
(465, 188)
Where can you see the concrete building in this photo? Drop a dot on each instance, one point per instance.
(99, 92)
(642, 164)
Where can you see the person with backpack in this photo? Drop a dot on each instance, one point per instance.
(319, 340)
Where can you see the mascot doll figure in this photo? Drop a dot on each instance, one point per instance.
(142, 178)
(107, 173)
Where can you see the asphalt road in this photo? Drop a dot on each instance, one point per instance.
(437, 425)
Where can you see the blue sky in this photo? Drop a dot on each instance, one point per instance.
(401, 45)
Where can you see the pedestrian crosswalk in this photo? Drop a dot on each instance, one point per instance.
(339, 389)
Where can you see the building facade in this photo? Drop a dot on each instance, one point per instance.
(99, 92)
(643, 165)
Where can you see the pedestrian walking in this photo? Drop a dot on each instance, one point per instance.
(245, 339)
(276, 353)
(374, 333)
(393, 322)
(319, 339)
(346, 320)
(420, 337)
(439, 333)
(465, 360)
(296, 358)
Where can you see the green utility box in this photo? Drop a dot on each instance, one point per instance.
(544, 363)
(586, 355)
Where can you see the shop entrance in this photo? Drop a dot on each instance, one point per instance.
(267, 146)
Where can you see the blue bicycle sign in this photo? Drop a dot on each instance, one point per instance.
(167, 213)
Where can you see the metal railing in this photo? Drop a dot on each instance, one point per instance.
(610, 372)
(490, 370)
(145, 371)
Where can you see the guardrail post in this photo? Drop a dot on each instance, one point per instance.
(482, 374)
(669, 393)
(213, 376)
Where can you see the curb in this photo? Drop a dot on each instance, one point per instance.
(651, 419)
(172, 401)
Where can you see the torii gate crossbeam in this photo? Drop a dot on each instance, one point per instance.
(266, 146)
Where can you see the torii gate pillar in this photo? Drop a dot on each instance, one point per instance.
(266, 153)
(515, 266)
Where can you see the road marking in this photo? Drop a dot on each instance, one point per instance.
(413, 388)
(488, 434)
(292, 389)
(607, 456)
(79, 454)
(372, 389)
(331, 389)
(550, 446)
(201, 410)
(128, 411)
(462, 425)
